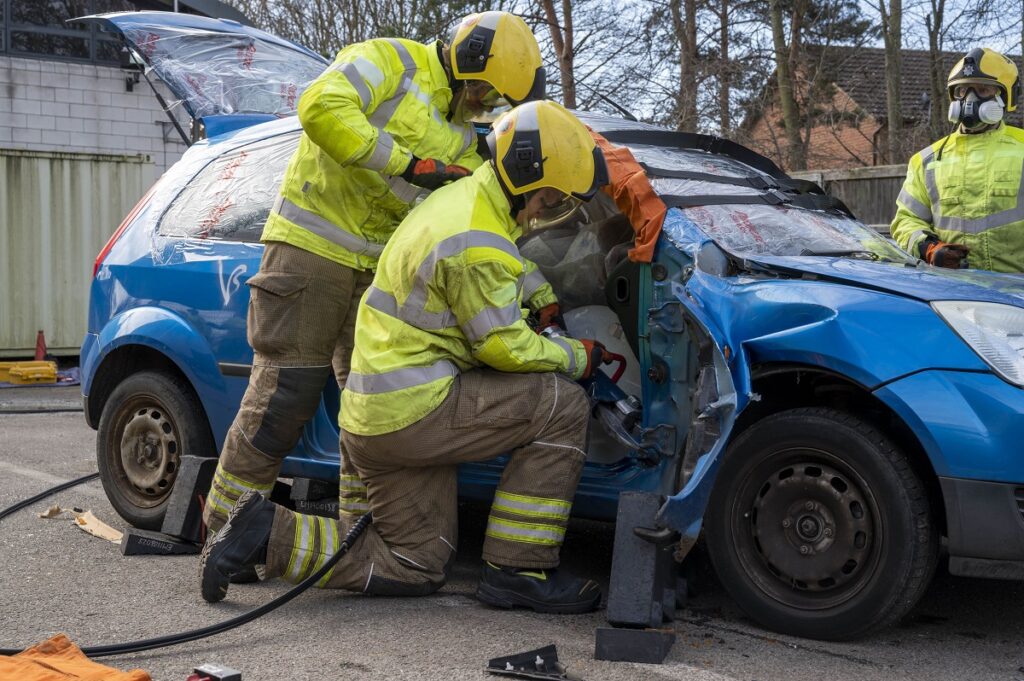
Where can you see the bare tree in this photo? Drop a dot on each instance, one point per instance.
(797, 158)
(561, 31)
(892, 27)
(684, 21)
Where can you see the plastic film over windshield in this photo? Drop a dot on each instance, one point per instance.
(786, 231)
(225, 73)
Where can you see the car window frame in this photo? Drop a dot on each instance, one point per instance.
(172, 198)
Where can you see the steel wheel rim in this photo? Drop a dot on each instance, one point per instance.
(146, 451)
(806, 529)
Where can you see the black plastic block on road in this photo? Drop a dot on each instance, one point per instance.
(136, 542)
(184, 517)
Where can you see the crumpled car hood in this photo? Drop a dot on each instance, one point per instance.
(922, 282)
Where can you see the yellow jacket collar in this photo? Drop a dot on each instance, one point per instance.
(487, 180)
(442, 94)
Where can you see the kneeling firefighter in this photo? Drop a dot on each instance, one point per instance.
(446, 371)
(963, 193)
(389, 119)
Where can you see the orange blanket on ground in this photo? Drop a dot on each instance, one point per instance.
(58, 659)
(629, 187)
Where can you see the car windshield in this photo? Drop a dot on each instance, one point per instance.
(790, 231)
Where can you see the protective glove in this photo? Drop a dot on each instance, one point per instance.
(596, 355)
(548, 316)
(430, 173)
(941, 254)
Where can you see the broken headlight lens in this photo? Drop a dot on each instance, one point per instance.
(993, 330)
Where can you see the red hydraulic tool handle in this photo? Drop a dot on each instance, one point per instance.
(621, 369)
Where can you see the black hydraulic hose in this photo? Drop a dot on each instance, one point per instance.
(42, 495)
(213, 629)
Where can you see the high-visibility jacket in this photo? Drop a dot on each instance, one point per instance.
(363, 118)
(972, 195)
(447, 296)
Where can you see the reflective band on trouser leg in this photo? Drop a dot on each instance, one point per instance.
(325, 229)
(531, 507)
(352, 498)
(532, 504)
(226, 489)
(316, 540)
(527, 533)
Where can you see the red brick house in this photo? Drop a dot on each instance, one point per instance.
(849, 128)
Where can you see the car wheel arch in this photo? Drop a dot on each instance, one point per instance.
(780, 387)
(121, 362)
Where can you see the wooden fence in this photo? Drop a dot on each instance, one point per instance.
(869, 192)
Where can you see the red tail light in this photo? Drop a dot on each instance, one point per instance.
(120, 230)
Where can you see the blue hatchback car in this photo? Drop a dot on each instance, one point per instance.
(817, 406)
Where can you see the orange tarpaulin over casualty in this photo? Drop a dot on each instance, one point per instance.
(634, 196)
(58, 659)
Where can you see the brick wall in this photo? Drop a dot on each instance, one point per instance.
(60, 106)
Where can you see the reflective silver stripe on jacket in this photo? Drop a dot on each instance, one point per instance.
(403, 190)
(491, 318)
(914, 206)
(972, 225)
(387, 108)
(383, 301)
(532, 282)
(414, 310)
(355, 79)
(325, 228)
(568, 350)
(378, 160)
(913, 246)
(399, 379)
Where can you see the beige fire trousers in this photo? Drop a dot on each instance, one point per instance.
(301, 321)
(540, 420)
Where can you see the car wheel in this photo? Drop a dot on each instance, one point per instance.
(150, 420)
(819, 527)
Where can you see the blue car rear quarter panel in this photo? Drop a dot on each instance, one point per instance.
(970, 424)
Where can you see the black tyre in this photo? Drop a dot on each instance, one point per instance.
(149, 421)
(819, 527)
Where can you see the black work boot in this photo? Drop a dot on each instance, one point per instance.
(549, 590)
(240, 544)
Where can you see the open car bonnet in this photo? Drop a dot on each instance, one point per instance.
(217, 67)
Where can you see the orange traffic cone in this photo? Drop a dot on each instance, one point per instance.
(40, 346)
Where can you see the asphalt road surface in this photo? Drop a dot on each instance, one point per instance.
(56, 578)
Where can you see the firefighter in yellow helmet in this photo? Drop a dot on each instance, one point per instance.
(446, 371)
(963, 194)
(387, 121)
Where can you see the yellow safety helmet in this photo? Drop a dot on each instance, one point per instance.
(541, 144)
(988, 67)
(500, 49)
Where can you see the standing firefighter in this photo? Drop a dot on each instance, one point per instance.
(447, 371)
(388, 119)
(963, 194)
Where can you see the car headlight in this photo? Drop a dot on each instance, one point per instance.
(993, 330)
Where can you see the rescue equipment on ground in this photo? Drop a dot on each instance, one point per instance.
(27, 373)
(203, 632)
